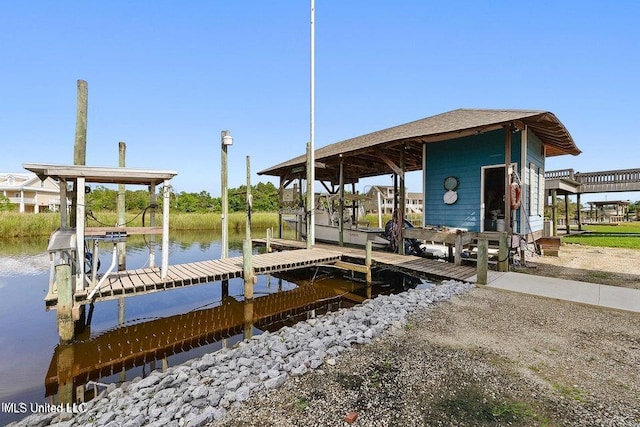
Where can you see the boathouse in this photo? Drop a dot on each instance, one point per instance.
(483, 170)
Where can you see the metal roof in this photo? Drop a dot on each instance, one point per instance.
(98, 174)
(370, 154)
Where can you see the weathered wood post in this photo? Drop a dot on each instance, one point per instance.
(503, 251)
(341, 204)
(483, 261)
(269, 232)
(65, 362)
(122, 246)
(402, 200)
(64, 280)
(367, 262)
(247, 269)
(457, 257)
(249, 200)
(554, 212)
(225, 140)
(80, 141)
(566, 213)
(247, 331)
(121, 208)
(579, 217)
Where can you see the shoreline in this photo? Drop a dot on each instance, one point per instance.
(204, 390)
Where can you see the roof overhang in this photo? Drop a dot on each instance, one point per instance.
(102, 175)
(379, 153)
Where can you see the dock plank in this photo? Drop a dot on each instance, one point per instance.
(287, 255)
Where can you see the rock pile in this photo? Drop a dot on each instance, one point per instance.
(199, 391)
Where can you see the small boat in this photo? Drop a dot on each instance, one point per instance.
(327, 227)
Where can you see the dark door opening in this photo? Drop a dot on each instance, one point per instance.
(494, 194)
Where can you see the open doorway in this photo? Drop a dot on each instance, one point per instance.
(493, 193)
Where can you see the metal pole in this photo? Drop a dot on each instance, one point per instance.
(311, 235)
(310, 196)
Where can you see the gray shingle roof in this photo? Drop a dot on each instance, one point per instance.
(362, 154)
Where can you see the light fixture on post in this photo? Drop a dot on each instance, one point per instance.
(227, 140)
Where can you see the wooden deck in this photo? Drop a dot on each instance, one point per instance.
(290, 255)
(409, 264)
(143, 281)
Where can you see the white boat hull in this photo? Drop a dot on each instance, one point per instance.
(350, 236)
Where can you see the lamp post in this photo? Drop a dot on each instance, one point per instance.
(226, 140)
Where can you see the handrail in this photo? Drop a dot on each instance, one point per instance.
(559, 174)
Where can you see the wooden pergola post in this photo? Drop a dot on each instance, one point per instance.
(507, 177)
(554, 212)
(566, 213)
(578, 212)
(341, 204)
(402, 207)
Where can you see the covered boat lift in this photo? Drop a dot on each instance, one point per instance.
(403, 148)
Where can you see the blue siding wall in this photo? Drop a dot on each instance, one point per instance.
(534, 155)
(464, 158)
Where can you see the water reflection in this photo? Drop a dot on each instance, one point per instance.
(111, 350)
(109, 356)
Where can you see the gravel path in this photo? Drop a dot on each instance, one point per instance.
(606, 266)
(489, 357)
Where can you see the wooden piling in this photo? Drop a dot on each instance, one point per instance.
(367, 262)
(80, 142)
(249, 200)
(247, 330)
(483, 261)
(247, 269)
(65, 364)
(268, 240)
(121, 208)
(64, 280)
(503, 251)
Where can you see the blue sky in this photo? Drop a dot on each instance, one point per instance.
(166, 77)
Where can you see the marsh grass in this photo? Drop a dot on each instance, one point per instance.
(16, 225)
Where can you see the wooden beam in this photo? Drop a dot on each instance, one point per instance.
(395, 168)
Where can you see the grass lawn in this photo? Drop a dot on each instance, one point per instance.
(624, 235)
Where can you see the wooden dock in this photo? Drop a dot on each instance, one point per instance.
(143, 281)
(408, 264)
(290, 255)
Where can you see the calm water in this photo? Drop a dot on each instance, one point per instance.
(158, 330)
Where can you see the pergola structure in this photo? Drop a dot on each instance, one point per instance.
(599, 211)
(401, 149)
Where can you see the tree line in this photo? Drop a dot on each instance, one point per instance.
(264, 199)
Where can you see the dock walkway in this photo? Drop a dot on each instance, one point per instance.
(147, 280)
(409, 264)
(291, 255)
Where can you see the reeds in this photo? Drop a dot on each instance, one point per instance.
(17, 225)
(13, 224)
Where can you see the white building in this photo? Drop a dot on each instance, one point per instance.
(29, 193)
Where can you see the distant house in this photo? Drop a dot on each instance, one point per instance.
(413, 200)
(29, 193)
